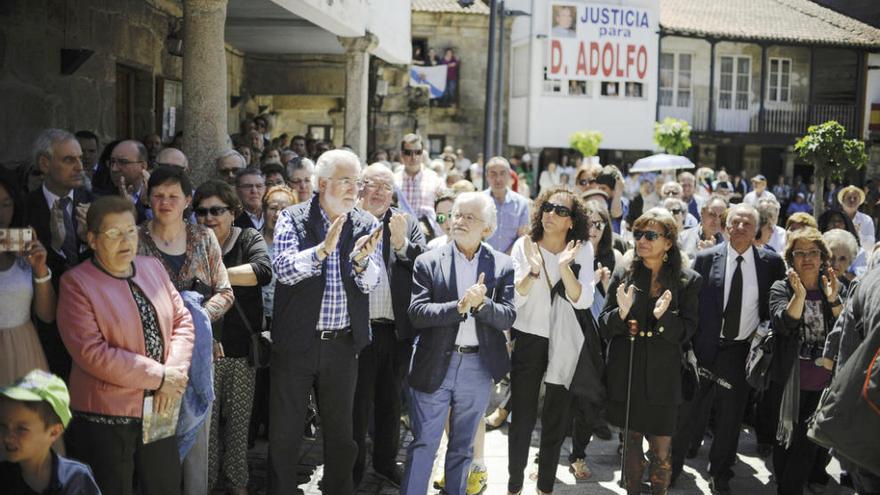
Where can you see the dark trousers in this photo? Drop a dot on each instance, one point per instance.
(730, 406)
(116, 454)
(528, 363)
(380, 374)
(585, 418)
(555, 421)
(331, 368)
(803, 461)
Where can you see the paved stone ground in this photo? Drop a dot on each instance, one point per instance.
(752, 472)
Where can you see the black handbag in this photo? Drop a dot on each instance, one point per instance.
(261, 348)
(760, 359)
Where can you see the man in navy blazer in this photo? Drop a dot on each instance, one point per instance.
(462, 301)
(728, 319)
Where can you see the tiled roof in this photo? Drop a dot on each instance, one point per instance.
(450, 6)
(793, 21)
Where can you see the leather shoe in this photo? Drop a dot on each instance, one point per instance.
(393, 475)
(719, 486)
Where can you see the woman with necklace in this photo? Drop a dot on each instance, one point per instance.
(249, 268)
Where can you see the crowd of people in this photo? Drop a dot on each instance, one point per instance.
(154, 328)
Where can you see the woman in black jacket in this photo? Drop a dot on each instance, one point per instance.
(804, 308)
(249, 268)
(657, 295)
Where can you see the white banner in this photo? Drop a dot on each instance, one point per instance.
(600, 42)
(432, 77)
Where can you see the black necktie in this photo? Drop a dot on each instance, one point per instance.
(69, 247)
(734, 303)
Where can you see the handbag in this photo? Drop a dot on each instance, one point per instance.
(760, 357)
(260, 350)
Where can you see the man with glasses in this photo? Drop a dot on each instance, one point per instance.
(128, 171)
(462, 301)
(250, 185)
(512, 208)
(382, 363)
(418, 185)
(227, 164)
(709, 232)
(300, 171)
(325, 268)
(733, 302)
(672, 189)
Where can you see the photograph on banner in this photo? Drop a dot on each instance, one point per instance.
(600, 43)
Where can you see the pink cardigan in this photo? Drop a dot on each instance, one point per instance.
(100, 325)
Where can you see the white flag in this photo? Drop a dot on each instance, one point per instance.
(433, 77)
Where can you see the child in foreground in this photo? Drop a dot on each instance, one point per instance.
(33, 414)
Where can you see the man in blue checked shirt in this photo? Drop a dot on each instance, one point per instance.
(325, 265)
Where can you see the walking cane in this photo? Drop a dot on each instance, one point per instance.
(633, 330)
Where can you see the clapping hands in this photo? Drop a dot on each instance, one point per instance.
(474, 296)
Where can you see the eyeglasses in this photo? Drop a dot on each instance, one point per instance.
(600, 226)
(806, 253)
(467, 217)
(229, 171)
(214, 211)
(115, 234)
(348, 181)
(441, 218)
(411, 152)
(378, 185)
(675, 211)
(672, 193)
(647, 234)
(252, 187)
(561, 211)
(273, 183)
(297, 182)
(122, 162)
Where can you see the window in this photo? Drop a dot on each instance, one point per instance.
(171, 104)
(610, 88)
(321, 132)
(436, 143)
(780, 80)
(675, 79)
(577, 88)
(735, 76)
(633, 90)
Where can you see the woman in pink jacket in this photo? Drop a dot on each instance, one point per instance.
(130, 338)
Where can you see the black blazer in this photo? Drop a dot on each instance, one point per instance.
(664, 345)
(400, 271)
(37, 216)
(244, 221)
(711, 264)
(435, 318)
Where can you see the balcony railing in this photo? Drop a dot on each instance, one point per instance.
(791, 118)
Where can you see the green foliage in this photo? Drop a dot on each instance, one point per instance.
(586, 142)
(673, 135)
(830, 152)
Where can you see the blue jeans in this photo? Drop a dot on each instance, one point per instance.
(463, 396)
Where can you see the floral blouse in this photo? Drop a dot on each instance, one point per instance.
(203, 262)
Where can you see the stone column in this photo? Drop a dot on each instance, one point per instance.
(357, 84)
(204, 85)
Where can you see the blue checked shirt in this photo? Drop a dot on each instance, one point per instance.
(293, 266)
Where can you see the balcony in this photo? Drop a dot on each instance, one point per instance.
(788, 118)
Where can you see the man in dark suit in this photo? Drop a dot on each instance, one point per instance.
(325, 269)
(128, 164)
(54, 212)
(462, 301)
(382, 363)
(250, 185)
(733, 301)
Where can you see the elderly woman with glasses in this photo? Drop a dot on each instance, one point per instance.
(553, 271)
(652, 309)
(804, 308)
(131, 339)
(249, 268)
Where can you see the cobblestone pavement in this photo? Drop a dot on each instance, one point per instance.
(752, 472)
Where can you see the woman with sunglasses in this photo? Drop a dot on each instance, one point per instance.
(249, 268)
(553, 270)
(804, 307)
(442, 210)
(652, 309)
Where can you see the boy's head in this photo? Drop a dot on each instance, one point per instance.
(33, 413)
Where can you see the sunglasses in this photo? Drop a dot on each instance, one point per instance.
(441, 218)
(600, 226)
(412, 152)
(647, 234)
(214, 211)
(561, 211)
(675, 211)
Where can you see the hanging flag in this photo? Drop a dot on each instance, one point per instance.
(433, 77)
